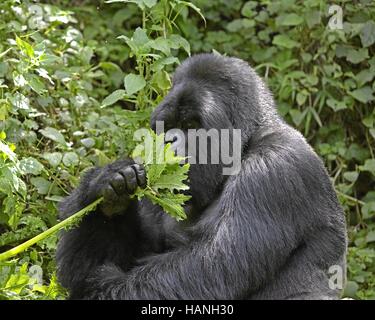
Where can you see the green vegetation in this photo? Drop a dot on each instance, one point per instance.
(77, 78)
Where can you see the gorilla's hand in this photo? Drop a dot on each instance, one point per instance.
(116, 187)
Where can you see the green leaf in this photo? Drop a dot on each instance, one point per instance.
(150, 3)
(247, 9)
(370, 237)
(113, 98)
(140, 37)
(53, 158)
(25, 47)
(5, 150)
(134, 83)
(369, 166)
(351, 289)
(162, 45)
(174, 180)
(291, 19)
(41, 184)
(364, 76)
(31, 166)
(357, 56)
(284, 41)
(70, 159)
(368, 34)
(363, 95)
(336, 105)
(194, 7)
(171, 203)
(162, 80)
(351, 176)
(53, 134)
(368, 210)
(176, 42)
(165, 176)
(36, 84)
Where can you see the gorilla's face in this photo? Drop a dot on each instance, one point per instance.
(193, 103)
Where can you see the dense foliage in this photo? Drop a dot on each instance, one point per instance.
(77, 78)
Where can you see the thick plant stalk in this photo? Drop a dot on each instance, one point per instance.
(68, 222)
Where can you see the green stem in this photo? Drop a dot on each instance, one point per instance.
(68, 222)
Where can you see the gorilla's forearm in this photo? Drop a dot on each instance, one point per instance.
(97, 240)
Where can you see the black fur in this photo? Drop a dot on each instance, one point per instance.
(269, 232)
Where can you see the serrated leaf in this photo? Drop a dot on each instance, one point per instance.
(173, 180)
(164, 176)
(171, 203)
(154, 172)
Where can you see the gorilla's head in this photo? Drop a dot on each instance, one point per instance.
(214, 92)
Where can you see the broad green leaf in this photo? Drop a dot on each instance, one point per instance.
(357, 56)
(364, 76)
(282, 40)
(247, 9)
(336, 105)
(162, 45)
(368, 34)
(176, 42)
(351, 176)
(70, 159)
(291, 19)
(31, 166)
(53, 158)
(53, 134)
(162, 80)
(113, 98)
(363, 95)
(370, 237)
(140, 37)
(41, 184)
(369, 166)
(134, 83)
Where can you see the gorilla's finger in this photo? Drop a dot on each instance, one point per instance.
(118, 184)
(141, 175)
(109, 194)
(130, 178)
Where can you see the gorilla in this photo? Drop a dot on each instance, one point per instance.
(271, 231)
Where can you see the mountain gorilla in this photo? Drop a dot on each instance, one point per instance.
(272, 231)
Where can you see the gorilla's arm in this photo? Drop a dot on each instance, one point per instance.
(240, 243)
(99, 238)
